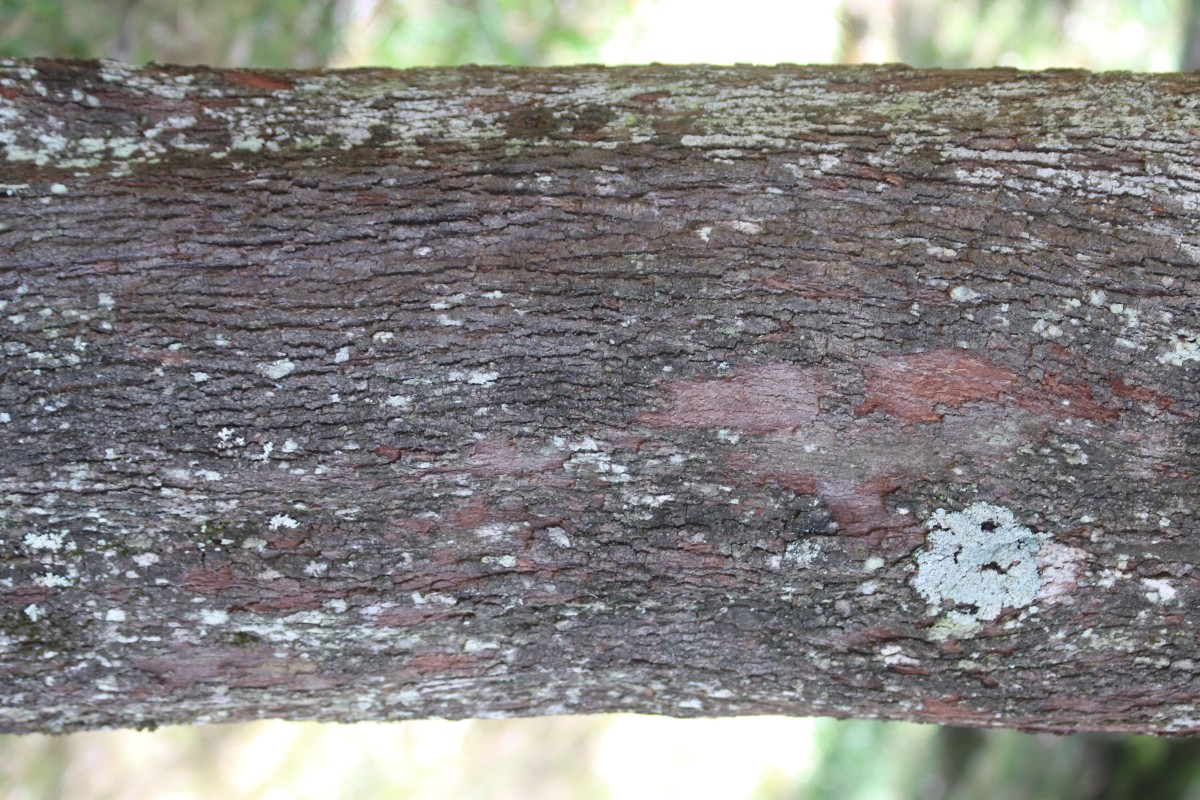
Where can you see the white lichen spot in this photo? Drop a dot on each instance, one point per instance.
(145, 560)
(981, 560)
(114, 615)
(1158, 591)
(801, 554)
(1047, 329)
(448, 302)
(200, 377)
(53, 581)
(748, 227)
(383, 337)
(508, 562)
(290, 446)
(44, 541)
(277, 369)
(558, 536)
(893, 654)
(315, 569)
(481, 378)
(58, 188)
(105, 300)
(400, 401)
(33, 611)
(5, 417)
(479, 645)
(282, 521)
(704, 233)
(1185, 346)
(963, 294)
(337, 605)
(493, 531)
(248, 142)
(213, 616)
(447, 321)
(873, 564)
(342, 355)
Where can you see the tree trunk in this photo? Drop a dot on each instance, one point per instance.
(683, 390)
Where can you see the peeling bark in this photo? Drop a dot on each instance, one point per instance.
(686, 390)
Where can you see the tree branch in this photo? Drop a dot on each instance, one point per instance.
(683, 390)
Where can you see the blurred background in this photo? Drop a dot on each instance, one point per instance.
(619, 756)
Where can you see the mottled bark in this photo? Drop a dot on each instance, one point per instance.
(684, 390)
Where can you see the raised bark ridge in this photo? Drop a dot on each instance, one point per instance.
(687, 390)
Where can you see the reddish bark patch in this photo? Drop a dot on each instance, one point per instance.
(282, 595)
(949, 710)
(250, 668)
(913, 387)
(866, 639)
(439, 665)
(209, 581)
(1058, 398)
(1139, 393)
(816, 287)
(919, 388)
(404, 529)
(191, 664)
(406, 616)
(860, 511)
(769, 472)
(24, 595)
(756, 400)
(496, 457)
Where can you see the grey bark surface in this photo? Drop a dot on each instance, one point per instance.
(687, 390)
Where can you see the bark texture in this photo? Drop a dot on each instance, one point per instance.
(686, 390)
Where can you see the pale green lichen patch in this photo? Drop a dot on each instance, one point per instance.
(1185, 346)
(980, 560)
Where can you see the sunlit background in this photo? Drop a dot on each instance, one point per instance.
(618, 756)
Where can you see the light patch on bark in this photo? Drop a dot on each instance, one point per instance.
(1185, 346)
(277, 369)
(1158, 591)
(982, 561)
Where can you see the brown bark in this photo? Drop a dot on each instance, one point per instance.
(683, 390)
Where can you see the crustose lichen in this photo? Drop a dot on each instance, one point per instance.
(981, 560)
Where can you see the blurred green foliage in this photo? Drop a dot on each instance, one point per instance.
(267, 33)
(861, 760)
(512, 32)
(1098, 34)
(307, 33)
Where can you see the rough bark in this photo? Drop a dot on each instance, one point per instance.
(683, 390)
